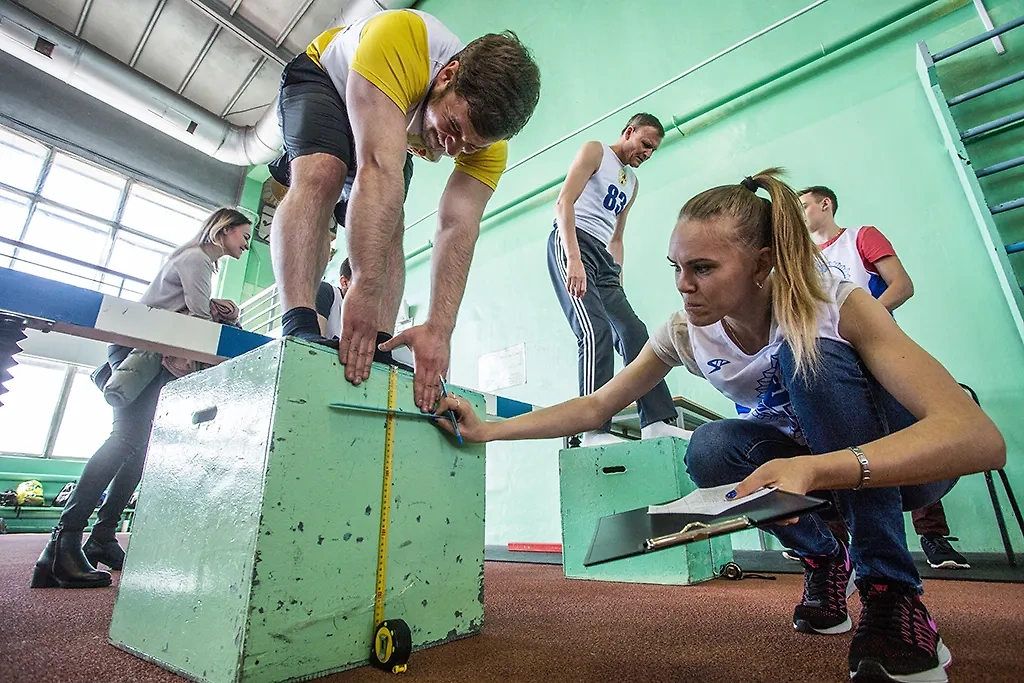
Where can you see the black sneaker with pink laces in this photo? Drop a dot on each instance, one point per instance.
(896, 639)
(826, 587)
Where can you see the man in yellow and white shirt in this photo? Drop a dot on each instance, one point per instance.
(354, 108)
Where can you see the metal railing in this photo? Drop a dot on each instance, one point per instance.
(124, 278)
(262, 312)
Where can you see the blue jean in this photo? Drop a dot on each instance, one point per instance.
(118, 463)
(840, 406)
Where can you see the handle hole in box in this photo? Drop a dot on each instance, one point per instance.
(204, 415)
(614, 469)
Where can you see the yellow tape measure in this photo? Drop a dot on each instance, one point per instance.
(392, 639)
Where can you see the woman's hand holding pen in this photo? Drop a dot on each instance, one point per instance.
(471, 427)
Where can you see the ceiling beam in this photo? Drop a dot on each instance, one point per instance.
(243, 30)
(299, 13)
(226, 111)
(199, 59)
(157, 11)
(82, 17)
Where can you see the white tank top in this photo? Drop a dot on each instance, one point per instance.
(604, 197)
(845, 262)
(334, 319)
(753, 382)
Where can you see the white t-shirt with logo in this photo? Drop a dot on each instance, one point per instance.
(752, 382)
(852, 254)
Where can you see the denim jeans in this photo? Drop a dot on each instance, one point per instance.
(842, 405)
(117, 463)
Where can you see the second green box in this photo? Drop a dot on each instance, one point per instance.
(605, 480)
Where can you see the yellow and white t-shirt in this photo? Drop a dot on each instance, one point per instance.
(401, 52)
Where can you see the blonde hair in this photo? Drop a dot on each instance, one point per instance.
(213, 229)
(797, 284)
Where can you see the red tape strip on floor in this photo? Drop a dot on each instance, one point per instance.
(535, 547)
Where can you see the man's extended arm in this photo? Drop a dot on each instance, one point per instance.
(374, 217)
(462, 206)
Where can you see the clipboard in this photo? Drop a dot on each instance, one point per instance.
(636, 532)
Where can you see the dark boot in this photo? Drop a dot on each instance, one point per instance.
(62, 563)
(102, 550)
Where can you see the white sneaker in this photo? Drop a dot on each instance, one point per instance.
(599, 439)
(653, 431)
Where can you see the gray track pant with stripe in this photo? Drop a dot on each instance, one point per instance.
(604, 321)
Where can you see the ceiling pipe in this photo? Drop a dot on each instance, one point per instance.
(25, 35)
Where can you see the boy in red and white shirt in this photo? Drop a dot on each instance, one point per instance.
(865, 257)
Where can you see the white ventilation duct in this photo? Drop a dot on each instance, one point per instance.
(34, 40)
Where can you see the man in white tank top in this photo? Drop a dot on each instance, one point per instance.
(585, 255)
(865, 257)
(329, 301)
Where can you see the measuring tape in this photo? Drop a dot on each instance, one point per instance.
(392, 638)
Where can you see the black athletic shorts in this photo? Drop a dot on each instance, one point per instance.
(314, 120)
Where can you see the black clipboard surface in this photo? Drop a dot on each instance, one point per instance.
(636, 532)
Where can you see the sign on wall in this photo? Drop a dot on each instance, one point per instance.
(502, 369)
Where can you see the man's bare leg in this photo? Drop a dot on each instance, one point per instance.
(300, 239)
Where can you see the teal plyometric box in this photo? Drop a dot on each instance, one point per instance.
(254, 546)
(605, 480)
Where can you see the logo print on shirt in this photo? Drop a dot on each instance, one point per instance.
(717, 364)
(774, 404)
(622, 176)
(840, 268)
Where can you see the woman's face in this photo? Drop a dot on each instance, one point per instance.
(715, 272)
(235, 240)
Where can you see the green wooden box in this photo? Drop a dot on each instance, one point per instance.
(254, 547)
(606, 480)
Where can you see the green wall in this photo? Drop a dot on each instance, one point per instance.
(854, 118)
(249, 275)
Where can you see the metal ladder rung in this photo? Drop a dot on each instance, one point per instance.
(980, 38)
(1007, 206)
(992, 125)
(1001, 166)
(985, 89)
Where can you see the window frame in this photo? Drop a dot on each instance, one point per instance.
(57, 418)
(36, 199)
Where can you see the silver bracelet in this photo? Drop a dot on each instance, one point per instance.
(865, 467)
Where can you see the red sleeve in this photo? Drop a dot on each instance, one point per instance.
(873, 246)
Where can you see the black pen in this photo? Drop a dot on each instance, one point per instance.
(451, 413)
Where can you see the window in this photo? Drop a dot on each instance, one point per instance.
(133, 255)
(64, 232)
(153, 213)
(52, 409)
(53, 201)
(86, 420)
(29, 405)
(13, 212)
(21, 160)
(85, 187)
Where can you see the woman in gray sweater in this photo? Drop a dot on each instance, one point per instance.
(183, 285)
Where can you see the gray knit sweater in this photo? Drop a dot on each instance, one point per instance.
(183, 284)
